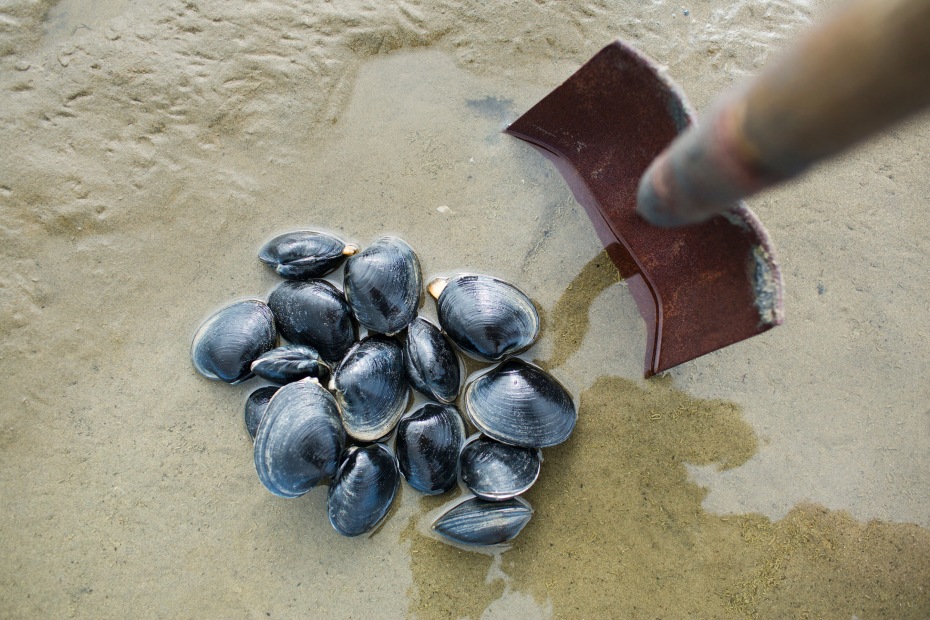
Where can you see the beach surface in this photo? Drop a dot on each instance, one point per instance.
(152, 147)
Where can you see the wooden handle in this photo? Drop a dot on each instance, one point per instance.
(863, 70)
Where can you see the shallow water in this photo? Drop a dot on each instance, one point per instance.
(160, 146)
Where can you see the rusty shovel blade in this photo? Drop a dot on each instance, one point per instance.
(698, 288)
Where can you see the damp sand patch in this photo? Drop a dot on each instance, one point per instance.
(620, 531)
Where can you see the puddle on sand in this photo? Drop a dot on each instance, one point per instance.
(420, 134)
(619, 529)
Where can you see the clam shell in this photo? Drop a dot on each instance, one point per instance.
(289, 363)
(477, 522)
(371, 387)
(495, 471)
(431, 362)
(305, 254)
(487, 318)
(520, 404)
(299, 440)
(229, 341)
(428, 444)
(363, 489)
(255, 406)
(382, 285)
(314, 313)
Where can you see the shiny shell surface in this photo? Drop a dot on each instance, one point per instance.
(305, 254)
(299, 439)
(255, 406)
(382, 285)
(520, 404)
(495, 471)
(428, 443)
(363, 489)
(314, 313)
(431, 361)
(371, 387)
(229, 341)
(485, 317)
(478, 522)
(291, 362)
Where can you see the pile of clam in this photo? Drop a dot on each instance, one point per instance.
(339, 415)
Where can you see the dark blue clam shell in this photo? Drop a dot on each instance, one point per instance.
(428, 444)
(495, 471)
(229, 341)
(305, 254)
(314, 313)
(255, 406)
(371, 386)
(363, 489)
(487, 318)
(289, 363)
(520, 404)
(477, 522)
(299, 439)
(382, 285)
(431, 362)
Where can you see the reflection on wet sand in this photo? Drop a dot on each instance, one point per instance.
(619, 528)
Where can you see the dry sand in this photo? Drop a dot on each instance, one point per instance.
(151, 148)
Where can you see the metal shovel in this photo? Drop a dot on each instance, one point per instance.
(715, 281)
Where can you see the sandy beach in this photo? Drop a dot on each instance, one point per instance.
(153, 147)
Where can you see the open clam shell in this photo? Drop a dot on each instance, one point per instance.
(255, 406)
(432, 364)
(495, 471)
(477, 522)
(299, 439)
(229, 341)
(371, 386)
(289, 363)
(487, 318)
(382, 285)
(305, 254)
(520, 404)
(363, 489)
(428, 443)
(314, 313)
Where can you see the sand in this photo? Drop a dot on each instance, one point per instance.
(151, 148)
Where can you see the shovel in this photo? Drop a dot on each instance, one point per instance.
(714, 280)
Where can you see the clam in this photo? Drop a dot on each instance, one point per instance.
(431, 362)
(291, 363)
(363, 489)
(229, 341)
(428, 444)
(495, 471)
(487, 318)
(520, 404)
(371, 387)
(305, 254)
(314, 313)
(255, 406)
(477, 522)
(299, 439)
(382, 285)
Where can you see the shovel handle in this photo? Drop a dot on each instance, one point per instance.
(866, 68)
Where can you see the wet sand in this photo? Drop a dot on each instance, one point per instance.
(153, 149)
